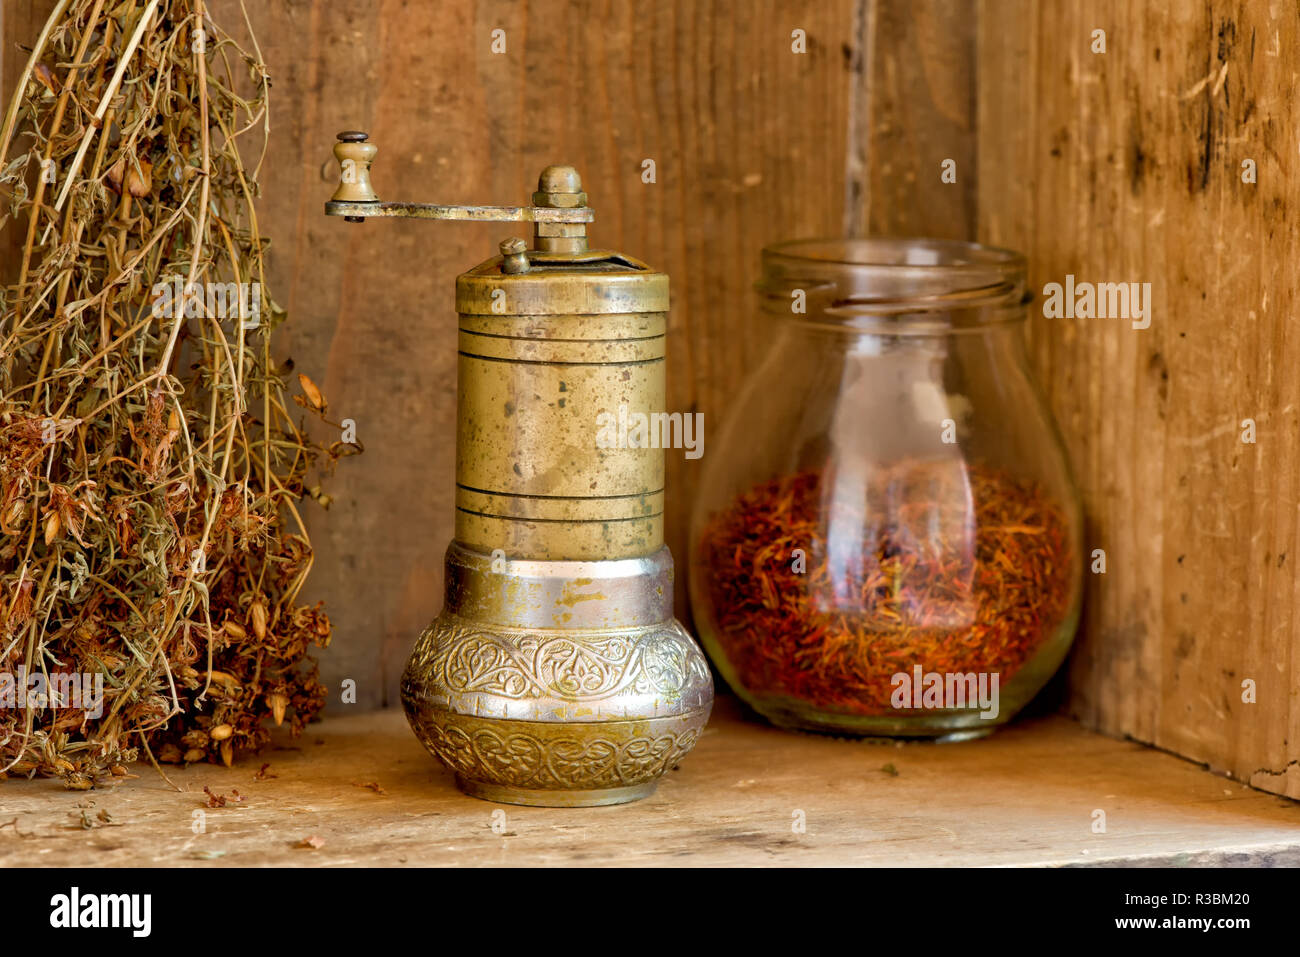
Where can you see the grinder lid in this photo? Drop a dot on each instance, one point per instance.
(555, 284)
(561, 276)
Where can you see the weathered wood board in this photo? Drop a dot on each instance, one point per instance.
(1132, 165)
(748, 795)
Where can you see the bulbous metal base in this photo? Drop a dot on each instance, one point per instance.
(557, 764)
(560, 684)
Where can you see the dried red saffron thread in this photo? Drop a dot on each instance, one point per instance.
(898, 573)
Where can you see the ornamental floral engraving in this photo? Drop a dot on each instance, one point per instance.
(617, 757)
(459, 658)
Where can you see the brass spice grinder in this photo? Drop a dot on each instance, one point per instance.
(556, 674)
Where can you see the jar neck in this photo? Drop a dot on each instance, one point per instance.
(894, 286)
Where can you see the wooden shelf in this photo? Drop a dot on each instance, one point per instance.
(1025, 796)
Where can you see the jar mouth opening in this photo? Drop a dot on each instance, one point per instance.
(886, 252)
(844, 279)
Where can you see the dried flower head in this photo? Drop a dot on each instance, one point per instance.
(151, 460)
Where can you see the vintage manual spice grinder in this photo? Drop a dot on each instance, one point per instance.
(556, 673)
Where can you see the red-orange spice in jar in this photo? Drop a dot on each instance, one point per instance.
(886, 541)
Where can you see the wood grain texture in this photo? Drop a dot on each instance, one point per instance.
(1127, 166)
(913, 109)
(733, 802)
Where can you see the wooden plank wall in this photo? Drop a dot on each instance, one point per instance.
(1123, 166)
(1127, 166)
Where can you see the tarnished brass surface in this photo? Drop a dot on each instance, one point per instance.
(559, 198)
(557, 683)
(596, 282)
(554, 765)
(531, 478)
(375, 209)
(514, 256)
(629, 593)
(573, 642)
(354, 155)
(556, 673)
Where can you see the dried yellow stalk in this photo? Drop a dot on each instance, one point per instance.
(150, 469)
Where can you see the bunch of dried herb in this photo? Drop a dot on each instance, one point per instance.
(150, 466)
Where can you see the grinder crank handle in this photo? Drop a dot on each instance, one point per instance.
(355, 198)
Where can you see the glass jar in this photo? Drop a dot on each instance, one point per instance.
(887, 535)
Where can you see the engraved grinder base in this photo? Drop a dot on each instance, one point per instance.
(557, 716)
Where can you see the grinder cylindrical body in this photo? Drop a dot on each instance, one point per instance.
(556, 673)
(538, 391)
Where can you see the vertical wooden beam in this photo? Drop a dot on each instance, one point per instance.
(1127, 166)
(912, 108)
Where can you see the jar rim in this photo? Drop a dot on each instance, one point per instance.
(973, 283)
(894, 252)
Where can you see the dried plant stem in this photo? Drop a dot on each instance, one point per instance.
(149, 524)
(123, 62)
(144, 743)
(55, 126)
(11, 114)
(204, 181)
